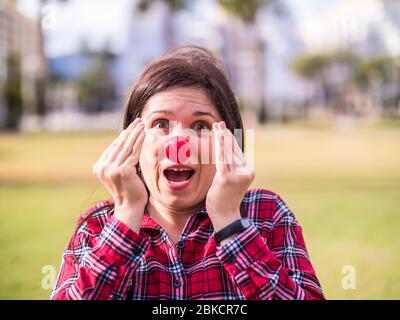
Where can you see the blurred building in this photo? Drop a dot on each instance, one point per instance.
(207, 24)
(285, 91)
(20, 38)
(153, 31)
(83, 81)
(366, 27)
(145, 42)
(259, 56)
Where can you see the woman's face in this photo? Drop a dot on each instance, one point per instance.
(184, 112)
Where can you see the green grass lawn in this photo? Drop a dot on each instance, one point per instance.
(342, 185)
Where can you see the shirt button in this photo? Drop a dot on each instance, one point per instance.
(231, 259)
(181, 244)
(177, 283)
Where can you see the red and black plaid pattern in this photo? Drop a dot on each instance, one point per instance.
(269, 260)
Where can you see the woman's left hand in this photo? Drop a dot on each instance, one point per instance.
(232, 178)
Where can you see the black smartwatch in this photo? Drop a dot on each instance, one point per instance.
(231, 229)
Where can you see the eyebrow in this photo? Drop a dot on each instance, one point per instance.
(195, 113)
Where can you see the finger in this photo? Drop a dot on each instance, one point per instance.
(133, 159)
(239, 161)
(128, 145)
(111, 146)
(137, 147)
(238, 155)
(219, 148)
(120, 145)
(242, 166)
(121, 136)
(228, 145)
(233, 153)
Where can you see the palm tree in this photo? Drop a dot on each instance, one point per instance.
(312, 67)
(13, 92)
(373, 75)
(318, 67)
(172, 7)
(246, 11)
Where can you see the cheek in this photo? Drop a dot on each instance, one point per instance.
(151, 149)
(206, 176)
(148, 157)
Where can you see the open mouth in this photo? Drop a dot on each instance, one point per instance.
(178, 174)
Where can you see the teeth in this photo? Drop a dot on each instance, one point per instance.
(180, 169)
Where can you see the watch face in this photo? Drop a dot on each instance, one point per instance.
(246, 222)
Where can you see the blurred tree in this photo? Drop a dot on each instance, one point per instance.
(247, 11)
(375, 80)
(96, 90)
(379, 79)
(373, 69)
(172, 7)
(310, 66)
(330, 72)
(13, 92)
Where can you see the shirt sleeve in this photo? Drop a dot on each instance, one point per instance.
(100, 266)
(277, 268)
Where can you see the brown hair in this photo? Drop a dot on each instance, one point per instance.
(186, 66)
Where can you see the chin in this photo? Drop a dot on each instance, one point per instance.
(179, 203)
(179, 199)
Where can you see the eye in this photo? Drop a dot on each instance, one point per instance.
(161, 124)
(200, 125)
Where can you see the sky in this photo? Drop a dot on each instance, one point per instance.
(68, 24)
(305, 9)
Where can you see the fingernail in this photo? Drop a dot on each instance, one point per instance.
(222, 125)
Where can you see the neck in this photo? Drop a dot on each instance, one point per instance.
(170, 217)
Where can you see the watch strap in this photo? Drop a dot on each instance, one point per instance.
(231, 229)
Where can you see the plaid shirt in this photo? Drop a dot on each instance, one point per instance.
(268, 260)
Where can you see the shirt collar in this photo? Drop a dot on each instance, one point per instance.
(149, 223)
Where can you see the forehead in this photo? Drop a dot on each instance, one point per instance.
(180, 100)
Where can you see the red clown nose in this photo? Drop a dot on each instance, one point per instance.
(175, 149)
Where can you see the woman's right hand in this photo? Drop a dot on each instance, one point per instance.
(116, 169)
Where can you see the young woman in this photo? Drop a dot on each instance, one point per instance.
(182, 225)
